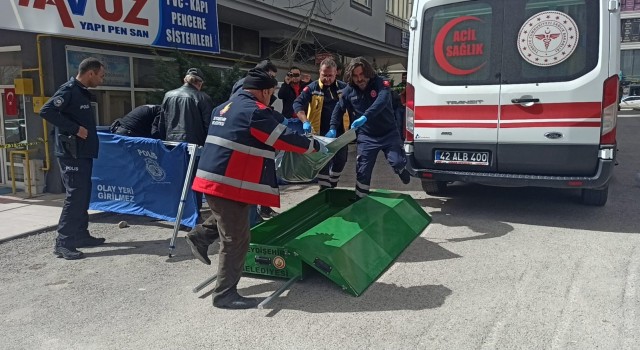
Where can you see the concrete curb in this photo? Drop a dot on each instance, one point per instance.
(51, 227)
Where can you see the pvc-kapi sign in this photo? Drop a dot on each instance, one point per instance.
(180, 24)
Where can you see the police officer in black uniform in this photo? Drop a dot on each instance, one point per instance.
(368, 96)
(76, 144)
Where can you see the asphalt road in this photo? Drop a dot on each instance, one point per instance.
(499, 268)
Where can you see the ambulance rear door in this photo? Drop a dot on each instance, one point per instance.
(554, 65)
(454, 71)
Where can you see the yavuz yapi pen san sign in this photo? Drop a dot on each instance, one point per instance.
(181, 24)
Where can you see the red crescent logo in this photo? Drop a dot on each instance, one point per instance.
(438, 47)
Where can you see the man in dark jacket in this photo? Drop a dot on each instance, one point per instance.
(236, 170)
(142, 121)
(368, 96)
(289, 91)
(76, 139)
(186, 111)
(186, 114)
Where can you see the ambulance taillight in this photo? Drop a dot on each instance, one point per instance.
(609, 110)
(409, 112)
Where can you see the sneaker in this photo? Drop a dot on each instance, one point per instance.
(267, 212)
(68, 253)
(89, 241)
(405, 177)
(198, 250)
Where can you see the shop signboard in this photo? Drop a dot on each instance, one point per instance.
(179, 24)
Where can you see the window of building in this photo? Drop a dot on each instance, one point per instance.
(246, 41)
(399, 8)
(224, 33)
(362, 5)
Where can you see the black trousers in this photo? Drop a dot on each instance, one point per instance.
(233, 225)
(74, 219)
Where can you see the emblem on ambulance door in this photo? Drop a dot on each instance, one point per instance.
(548, 38)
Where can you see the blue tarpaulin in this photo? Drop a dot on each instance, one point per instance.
(141, 176)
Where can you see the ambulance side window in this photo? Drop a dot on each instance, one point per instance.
(460, 43)
(550, 41)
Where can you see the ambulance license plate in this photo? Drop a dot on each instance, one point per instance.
(462, 157)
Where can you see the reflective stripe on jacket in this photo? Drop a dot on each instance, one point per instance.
(313, 96)
(237, 161)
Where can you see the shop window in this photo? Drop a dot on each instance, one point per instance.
(144, 73)
(112, 104)
(10, 66)
(144, 98)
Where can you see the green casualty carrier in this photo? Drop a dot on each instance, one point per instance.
(350, 242)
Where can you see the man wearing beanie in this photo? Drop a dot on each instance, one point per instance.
(236, 171)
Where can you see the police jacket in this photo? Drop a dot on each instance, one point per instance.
(186, 115)
(69, 109)
(319, 101)
(140, 121)
(374, 103)
(287, 94)
(237, 161)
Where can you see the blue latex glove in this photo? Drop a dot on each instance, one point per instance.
(306, 127)
(331, 134)
(323, 149)
(358, 122)
(285, 122)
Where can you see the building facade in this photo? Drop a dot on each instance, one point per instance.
(630, 45)
(37, 57)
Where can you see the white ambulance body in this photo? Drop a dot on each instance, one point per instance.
(514, 93)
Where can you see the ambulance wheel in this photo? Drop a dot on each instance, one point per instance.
(595, 196)
(434, 187)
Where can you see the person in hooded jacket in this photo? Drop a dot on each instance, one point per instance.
(236, 171)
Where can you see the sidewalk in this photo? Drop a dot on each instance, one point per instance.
(21, 216)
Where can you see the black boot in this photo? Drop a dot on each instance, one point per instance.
(266, 212)
(235, 301)
(199, 240)
(67, 253)
(405, 176)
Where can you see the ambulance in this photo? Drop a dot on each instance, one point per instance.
(514, 93)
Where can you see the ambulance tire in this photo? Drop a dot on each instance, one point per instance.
(595, 196)
(434, 188)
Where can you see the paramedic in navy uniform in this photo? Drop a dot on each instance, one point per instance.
(368, 96)
(236, 171)
(76, 138)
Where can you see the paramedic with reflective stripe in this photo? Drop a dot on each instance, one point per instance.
(368, 96)
(236, 170)
(314, 107)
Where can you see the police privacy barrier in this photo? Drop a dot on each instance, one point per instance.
(178, 24)
(141, 176)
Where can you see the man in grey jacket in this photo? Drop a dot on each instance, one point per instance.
(187, 111)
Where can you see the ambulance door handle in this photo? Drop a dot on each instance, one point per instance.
(528, 101)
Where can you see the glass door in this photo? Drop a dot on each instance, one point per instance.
(13, 130)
